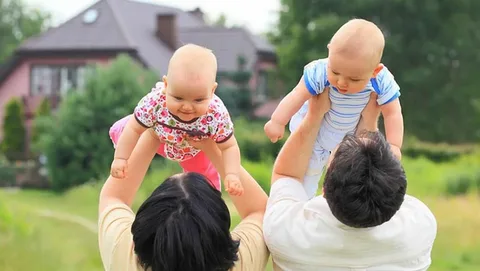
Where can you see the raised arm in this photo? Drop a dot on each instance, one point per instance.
(311, 83)
(123, 190)
(253, 200)
(393, 120)
(293, 159)
(128, 139)
(231, 165)
(388, 99)
(369, 118)
(291, 103)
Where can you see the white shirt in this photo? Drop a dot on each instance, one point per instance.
(303, 235)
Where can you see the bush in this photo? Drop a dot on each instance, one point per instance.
(261, 172)
(435, 152)
(459, 185)
(7, 173)
(254, 144)
(76, 144)
(236, 97)
(13, 144)
(43, 111)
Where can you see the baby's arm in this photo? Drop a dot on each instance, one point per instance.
(393, 120)
(388, 99)
(231, 163)
(125, 145)
(291, 103)
(311, 83)
(144, 117)
(128, 139)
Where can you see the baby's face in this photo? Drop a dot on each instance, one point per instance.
(349, 75)
(188, 101)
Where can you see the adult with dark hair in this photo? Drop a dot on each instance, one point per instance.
(363, 221)
(184, 225)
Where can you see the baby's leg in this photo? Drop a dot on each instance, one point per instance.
(117, 129)
(315, 170)
(201, 164)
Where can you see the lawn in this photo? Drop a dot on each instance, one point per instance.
(40, 230)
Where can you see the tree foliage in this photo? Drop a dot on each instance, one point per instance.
(17, 23)
(13, 143)
(77, 145)
(42, 113)
(235, 91)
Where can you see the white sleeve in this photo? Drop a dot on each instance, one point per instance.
(284, 218)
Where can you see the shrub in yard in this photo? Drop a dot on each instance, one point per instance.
(76, 144)
(43, 111)
(13, 144)
(460, 185)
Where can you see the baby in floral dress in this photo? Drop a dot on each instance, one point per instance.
(183, 107)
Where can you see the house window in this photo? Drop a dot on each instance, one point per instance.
(262, 86)
(53, 80)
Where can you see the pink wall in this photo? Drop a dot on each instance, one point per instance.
(17, 84)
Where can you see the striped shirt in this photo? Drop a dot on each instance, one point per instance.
(346, 109)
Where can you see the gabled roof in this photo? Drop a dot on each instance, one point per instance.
(131, 25)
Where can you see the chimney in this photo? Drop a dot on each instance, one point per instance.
(197, 12)
(167, 29)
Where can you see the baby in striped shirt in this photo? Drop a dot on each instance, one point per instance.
(352, 72)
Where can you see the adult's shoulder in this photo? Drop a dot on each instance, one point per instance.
(419, 221)
(252, 253)
(412, 203)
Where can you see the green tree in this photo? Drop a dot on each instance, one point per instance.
(77, 145)
(431, 48)
(13, 144)
(234, 90)
(17, 24)
(42, 113)
(221, 20)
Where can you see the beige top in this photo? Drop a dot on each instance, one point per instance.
(116, 242)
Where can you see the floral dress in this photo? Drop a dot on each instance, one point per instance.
(152, 112)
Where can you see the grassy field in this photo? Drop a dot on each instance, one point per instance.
(40, 230)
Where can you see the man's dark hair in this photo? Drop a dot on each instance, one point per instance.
(365, 183)
(184, 226)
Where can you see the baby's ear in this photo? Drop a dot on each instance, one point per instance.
(215, 85)
(164, 89)
(164, 79)
(377, 70)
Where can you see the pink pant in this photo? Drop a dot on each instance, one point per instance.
(199, 163)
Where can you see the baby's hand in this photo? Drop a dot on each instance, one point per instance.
(119, 168)
(274, 130)
(233, 185)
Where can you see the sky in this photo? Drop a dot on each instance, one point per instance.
(257, 15)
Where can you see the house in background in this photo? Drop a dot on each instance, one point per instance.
(55, 61)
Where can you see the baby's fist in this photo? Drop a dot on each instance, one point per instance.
(233, 185)
(119, 168)
(274, 130)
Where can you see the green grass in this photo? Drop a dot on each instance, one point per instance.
(45, 243)
(31, 241)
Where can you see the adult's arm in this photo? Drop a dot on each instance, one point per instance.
(124, 190)
(253, 201)
(293, 159)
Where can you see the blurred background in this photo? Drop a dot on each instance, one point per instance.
(68, 70)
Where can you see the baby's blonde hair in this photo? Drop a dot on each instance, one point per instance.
(359, 37)
(193, 62)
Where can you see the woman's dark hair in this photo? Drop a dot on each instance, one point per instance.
(184, 226)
